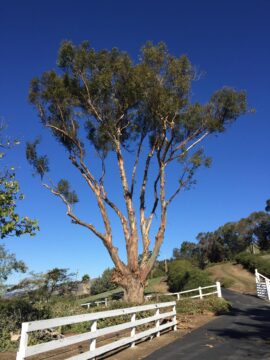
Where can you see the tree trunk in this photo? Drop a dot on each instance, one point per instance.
(134, 291)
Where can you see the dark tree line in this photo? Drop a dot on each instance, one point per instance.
(250, 234)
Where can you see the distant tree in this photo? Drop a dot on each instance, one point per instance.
(85, 278)
(103, 283)
(8, 264)
(42, 286)
(102, 102)
(234, 237)
(262, 233)
(267, 208)
(187, 250)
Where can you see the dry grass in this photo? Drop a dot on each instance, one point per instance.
(237, 278)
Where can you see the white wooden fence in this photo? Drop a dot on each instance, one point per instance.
(262, 286)
(169, 316)
(200, 290)
(97, 303)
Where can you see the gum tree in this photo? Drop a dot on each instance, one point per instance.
(102, 102)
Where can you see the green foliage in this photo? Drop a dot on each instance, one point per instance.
(103, 283)
(182, 275)
(8, 264)
(252, 262)
(12, 314)
(208, 304)
(85, 278)
(11, 224)
(63, 188)
(40, 163)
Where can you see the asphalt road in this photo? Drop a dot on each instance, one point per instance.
(242, 334)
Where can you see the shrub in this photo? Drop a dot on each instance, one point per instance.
(12, 314)
(182, 275)
(252, 262)
(196, 306)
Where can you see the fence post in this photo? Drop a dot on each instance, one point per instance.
(23, 342)
(94, 341)
(200, 293)
(133, 329)
(157, 323)
(219, 294)
(257, 276)
(178, 296)
(267, 283)
(174, 318)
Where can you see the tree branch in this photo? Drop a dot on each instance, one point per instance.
(135, 165)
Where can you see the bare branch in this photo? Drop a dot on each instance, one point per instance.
(135, 165)
(187, 149)
(73, 216)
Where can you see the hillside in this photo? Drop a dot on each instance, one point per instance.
(233, 276)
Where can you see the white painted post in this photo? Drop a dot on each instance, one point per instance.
(106, 302)
(157, 323)
(200, 293)
(133, 329)
(94, 341)
(178, 296)
(174, 318)
(23, 342)
(257, 277)
(267, 282)
(219, 294)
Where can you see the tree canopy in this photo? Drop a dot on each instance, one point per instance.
(101, 102)
(230, 239)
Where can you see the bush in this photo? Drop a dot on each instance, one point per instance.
(196, 306)
(252, 262)
(12, 314)
(182, 275)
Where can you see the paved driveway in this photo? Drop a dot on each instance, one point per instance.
(242, 334)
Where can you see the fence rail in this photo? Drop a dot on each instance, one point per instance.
(200, 295)
(262, 286)
(28, 327)
(97, 303)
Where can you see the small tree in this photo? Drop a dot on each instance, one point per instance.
(8, 264)
(123, 106)
(85, 278)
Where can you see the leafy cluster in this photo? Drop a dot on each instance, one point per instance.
(11, 224)
(9, 263)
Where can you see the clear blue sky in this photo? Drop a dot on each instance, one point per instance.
(229, 40)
